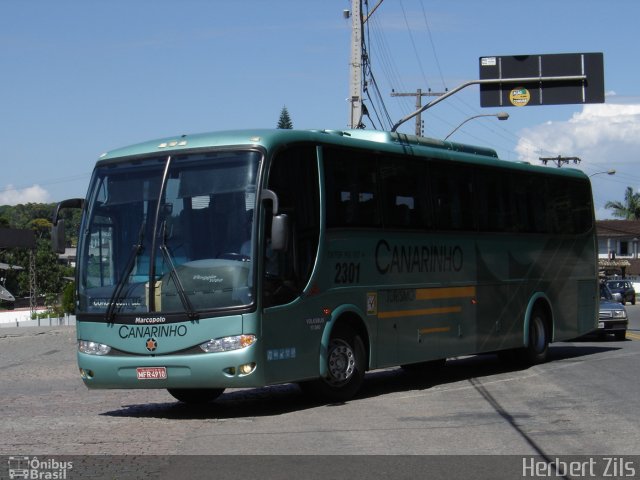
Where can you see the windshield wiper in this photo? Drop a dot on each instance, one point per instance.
(137, 249)
(186, 303)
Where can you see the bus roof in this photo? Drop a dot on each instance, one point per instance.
(373, 139)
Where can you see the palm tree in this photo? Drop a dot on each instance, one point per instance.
(630, 209)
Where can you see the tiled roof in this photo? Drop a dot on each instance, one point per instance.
(618, 228)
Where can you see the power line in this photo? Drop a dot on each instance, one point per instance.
(80, 176)
(433, 47)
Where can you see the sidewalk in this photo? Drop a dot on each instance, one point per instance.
(11, 331)
(21, 317)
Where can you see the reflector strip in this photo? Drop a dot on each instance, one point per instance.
(420, 311)
(425, 331)
(439, 293)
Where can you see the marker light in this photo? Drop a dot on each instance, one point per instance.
(93, 348)
(226, 344)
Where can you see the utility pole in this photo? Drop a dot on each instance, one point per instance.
(560, 160)
(33, 289)
(419, 94)
(355, 70)
(355, 65)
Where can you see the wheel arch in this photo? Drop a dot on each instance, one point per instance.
(344, 315)
(541, 301)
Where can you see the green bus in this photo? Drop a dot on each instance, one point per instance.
(250, 258)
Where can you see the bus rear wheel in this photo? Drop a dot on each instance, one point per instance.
(346, 363)
(195, 396)
(537, 349)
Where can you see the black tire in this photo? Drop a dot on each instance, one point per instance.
(346, 365)
(621, 336)
(195, 396)
(633, 300)
(538, 347)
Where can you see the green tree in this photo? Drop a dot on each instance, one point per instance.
(50, 273)
(68, 298)
(630, 209)
(41, 227)
(285, 120)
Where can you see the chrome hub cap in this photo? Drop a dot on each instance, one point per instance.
(342, 362)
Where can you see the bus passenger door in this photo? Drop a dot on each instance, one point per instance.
(291, 325)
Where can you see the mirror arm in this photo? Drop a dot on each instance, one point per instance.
(271, 195)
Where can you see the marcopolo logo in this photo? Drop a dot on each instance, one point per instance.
(151, 320)
(34, 468)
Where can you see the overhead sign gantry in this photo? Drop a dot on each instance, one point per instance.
(534, 80)
(527, 80)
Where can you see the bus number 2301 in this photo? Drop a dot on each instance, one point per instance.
(347, 272)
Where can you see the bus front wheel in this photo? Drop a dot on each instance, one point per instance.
(345, 367)
(195, 395)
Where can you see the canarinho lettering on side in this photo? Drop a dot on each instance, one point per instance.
(417, 258)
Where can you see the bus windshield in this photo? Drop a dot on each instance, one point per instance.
(170, 234)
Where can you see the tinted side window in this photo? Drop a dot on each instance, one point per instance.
(569, 206)
(497, 194)
(452, 196)
(352, 190)
(404, 196)
(293, 176)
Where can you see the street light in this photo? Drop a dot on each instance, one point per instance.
(499, 115)
(608, 172)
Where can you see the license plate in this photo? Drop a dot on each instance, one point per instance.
(151, 373)
(600, 324)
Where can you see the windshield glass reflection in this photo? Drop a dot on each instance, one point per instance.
(203, 256)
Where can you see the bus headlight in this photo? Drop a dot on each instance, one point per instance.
(93, 348)
(226, 344)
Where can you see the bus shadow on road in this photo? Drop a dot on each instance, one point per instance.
(283, 399)
(468, 367)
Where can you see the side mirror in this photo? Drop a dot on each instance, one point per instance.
(58, 240)
(279, 225)
(280, 233)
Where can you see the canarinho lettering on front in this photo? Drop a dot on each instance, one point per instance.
(391, 258)
(137, 331)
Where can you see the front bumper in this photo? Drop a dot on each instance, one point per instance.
(206, 370)
(612, 326)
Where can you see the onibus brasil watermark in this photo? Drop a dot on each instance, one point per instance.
(38, 469)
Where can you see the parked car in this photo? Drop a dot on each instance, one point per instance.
(613, 316)
(624, 288)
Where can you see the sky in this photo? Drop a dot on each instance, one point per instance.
(81, 77)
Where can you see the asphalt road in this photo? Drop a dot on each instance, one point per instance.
(584, 401)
